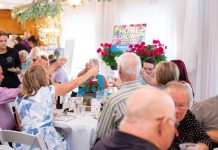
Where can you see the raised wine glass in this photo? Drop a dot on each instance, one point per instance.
(93, 63)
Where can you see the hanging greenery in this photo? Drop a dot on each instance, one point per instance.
(36, 10)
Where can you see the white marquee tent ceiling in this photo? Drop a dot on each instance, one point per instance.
(10, 4)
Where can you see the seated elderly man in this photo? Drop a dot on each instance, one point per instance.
(148, 124)
(7, 121)
(189, 129)
(206, 113)
(129, 65)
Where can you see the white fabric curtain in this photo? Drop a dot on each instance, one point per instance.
(187, 27)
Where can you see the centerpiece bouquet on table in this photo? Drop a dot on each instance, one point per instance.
(90, 89)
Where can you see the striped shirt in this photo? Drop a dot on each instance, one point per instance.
(113, 109)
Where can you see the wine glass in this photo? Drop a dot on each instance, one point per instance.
(94, 63)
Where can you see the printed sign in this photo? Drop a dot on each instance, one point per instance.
(124, 35)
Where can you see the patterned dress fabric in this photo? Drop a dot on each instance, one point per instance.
(36, 115)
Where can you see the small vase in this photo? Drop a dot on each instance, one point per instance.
(87, 100)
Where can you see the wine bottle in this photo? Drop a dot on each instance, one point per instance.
(59, 104)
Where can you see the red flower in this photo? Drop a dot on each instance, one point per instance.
(154, 52)
(99, 50)
(109, 45)
(148, 53)
(90, 81)
(102, 44)
(143, 43)
(104, 53)
(161, 50)
(130, 46)
(156, 42)
(136, 46)
(140, 51)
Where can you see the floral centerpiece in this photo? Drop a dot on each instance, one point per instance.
(90, 88)
(154, 50)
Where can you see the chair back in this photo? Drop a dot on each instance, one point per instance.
(35, 141)
(5, 147)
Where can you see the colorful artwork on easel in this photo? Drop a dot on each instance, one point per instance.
(124, 35)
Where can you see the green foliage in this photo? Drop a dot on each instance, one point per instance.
(36, 10)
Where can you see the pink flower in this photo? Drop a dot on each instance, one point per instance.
(99, 50)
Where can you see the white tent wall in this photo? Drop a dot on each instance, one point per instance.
(187, 27)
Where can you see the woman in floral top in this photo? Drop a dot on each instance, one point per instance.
(36, 108)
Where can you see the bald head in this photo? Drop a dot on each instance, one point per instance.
(149, 103)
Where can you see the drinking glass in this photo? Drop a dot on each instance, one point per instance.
(109, 80)
(189, 146)
(92, 65)
(81, 109)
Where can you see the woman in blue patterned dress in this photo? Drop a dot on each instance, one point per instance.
(36, 108)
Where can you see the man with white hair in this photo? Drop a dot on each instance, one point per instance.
(129, 65)
(148, 124)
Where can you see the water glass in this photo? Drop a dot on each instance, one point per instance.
(81, 109)
(189, 146)
(79, 101)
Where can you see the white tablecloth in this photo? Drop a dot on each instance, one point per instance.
(80, 131)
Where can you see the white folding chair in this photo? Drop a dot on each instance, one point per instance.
(5, 147)
(35, 141)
